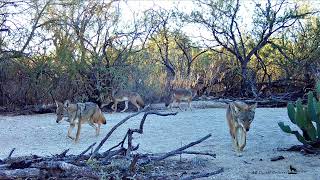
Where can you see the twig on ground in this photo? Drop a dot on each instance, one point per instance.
(198, 153)
(11, 152)
(201, 175)
(277, 158)
(302, 148)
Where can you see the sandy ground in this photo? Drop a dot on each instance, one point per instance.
(41, 135)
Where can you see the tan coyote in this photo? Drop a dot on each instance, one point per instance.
(239, 117)
(80, 113)
(178, 95)
(125, 96)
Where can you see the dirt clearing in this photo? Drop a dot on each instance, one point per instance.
(41, 135)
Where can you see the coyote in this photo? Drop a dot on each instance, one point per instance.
(239, 117)
(178, 95)
(125, 96)
(80, 113)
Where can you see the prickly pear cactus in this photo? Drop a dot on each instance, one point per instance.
(305, 117)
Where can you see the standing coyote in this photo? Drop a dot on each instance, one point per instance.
(178, 95)
(239, 117)
(125, 96)
(80, 113)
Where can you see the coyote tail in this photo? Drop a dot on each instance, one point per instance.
(140, 101)
(99, 117)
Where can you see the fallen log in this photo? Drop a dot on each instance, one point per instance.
(20, 173)
(67, 167)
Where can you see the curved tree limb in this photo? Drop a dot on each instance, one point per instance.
(95, 152)
(174, 152)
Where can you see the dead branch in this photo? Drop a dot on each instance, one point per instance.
(95, 152)
(140, 130)
(11, 152)
(110, 154)
(86, 150)
(201, 175)
(20, 173)
(67, 167)
(277, 158)
(197, 153)
(307, 149)
(115, 146)
(64, 153)
(174, 152)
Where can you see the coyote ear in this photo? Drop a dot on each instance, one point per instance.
(238, 105)
(57, 103)
(234, 108)
(253, 106)
(66, 103)
(113, 92)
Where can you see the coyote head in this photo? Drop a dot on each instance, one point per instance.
(61, 111)
(106, 100)
(243, 113)
(168, 100)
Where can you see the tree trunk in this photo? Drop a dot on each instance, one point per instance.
(189, 70)
(244, 82)
(248, 87)
(171, 74)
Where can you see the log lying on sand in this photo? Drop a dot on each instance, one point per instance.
(20, 173)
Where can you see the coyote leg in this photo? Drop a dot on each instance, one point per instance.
(98, 129)
(70, 131)
(234, 143)
(136, 104)
(78, 130)
(126, 106)
(95, 127)
(179, 105)
(171, 104)
(189, 103)
(236, 147)
(114, 107)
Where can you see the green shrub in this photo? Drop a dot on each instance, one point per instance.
(307, 118)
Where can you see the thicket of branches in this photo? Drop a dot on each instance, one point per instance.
(82, 50)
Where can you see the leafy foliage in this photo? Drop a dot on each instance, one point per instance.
(81, 50)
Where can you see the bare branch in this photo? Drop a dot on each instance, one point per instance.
(86, 150)
(174, 152)
(95, 152)
(201, 175)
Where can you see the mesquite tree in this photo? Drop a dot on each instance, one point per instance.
(222, 19)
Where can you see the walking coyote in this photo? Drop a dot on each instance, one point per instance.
(178, 95)
(239, 117)
(125, 96)
(80, 113)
